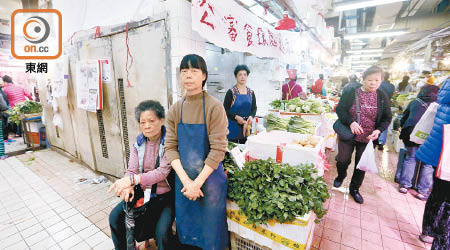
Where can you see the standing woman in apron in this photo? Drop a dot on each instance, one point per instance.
(196, 142)
(240, 105)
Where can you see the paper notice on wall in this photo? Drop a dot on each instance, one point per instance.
(106, 70)
(89, 85)
(60, 77)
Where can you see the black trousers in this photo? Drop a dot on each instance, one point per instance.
(344, 158)
(436, 217)
(164, 238)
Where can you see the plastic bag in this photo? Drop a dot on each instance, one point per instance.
(443, 168)
(425, 124)
(367, 162)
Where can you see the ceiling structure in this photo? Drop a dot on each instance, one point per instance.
(406, 20)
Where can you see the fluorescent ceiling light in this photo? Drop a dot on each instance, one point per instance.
(248, 2)
(270, 18)
(258, 10)
(351, 5)
(366, 55)
(359, 51)
(375, 34)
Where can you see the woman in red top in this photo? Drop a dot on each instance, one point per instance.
(15, 93)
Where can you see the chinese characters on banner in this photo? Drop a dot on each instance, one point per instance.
(89, 85)
(228, 25)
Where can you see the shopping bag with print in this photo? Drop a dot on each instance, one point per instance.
(443, 168)
(425, 124)
(367, 161)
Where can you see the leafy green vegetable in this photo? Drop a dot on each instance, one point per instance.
(276, 123)
(26, 107)
(295, 124)
(302, 106)
(267, 190)
(301, 126)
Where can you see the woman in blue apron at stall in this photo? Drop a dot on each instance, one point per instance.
(195, 146)
(240, 106)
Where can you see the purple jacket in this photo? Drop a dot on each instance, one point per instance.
(151, 175)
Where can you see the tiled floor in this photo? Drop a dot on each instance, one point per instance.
(386, 220)
(42, 207)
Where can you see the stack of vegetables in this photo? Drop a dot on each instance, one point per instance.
(265, 190)
(301, 126)
(402, 100)
(298, 105)
(295, 124)
(276, 123)
(26, 107)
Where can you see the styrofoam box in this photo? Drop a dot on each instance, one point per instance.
(264, 146)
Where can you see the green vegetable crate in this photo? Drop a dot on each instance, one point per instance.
(296, 235)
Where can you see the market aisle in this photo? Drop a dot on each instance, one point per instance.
(386, 220)
(42, 207)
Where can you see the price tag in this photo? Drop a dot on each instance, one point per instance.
(238, 157)
(147, 194)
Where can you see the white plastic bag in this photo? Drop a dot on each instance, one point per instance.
(443, 168)
(367, 161)
(425, 124)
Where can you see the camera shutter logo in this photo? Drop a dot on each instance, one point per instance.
(36, 29)
(36, 34)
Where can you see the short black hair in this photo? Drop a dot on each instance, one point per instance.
(373, 70)
(195, 61)
(386, 76)
(321, 76)
(147, 105)
(353, 77)
(426, 72)
(7, 79)
(239, 68)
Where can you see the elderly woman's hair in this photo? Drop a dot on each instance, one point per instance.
(148, 105)
(373, 70)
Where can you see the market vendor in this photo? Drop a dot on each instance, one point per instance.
(196, 143)
(291, 89)
(318, 87)
(240, 106)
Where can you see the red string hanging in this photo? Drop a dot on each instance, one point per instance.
(128, 54)
(70, 39)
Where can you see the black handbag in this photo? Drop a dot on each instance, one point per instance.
(344, 132)
(140, 222)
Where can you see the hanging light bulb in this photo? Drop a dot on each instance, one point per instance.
(286, 23)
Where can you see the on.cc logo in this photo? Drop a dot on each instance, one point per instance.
(36, 29)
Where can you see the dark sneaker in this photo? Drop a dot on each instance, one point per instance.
(356, 196)
(380, 147)
(337, 183)
(426, 238)
(402, 189)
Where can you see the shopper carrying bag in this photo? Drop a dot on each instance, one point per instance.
(366, 112)
(367, 162)
(425, 124)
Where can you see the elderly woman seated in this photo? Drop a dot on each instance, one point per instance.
(147, 167)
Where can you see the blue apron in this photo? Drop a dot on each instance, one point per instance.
(242, 107)
(203, 222)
